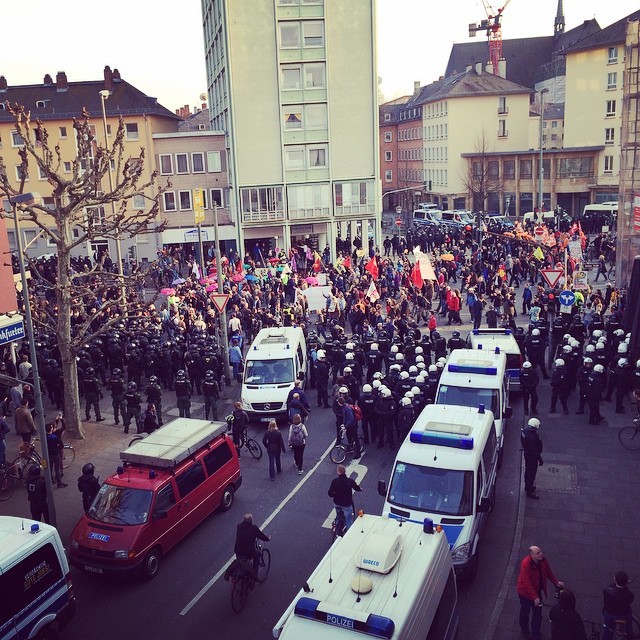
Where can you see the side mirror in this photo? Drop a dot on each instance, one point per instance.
(508, 412)
(382, 488)
(159, 515)
(484, 506)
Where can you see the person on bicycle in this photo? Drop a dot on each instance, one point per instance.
(239, 424)
(341, 490)
(617, 599)
(246, 535)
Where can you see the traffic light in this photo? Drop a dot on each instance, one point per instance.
(430, 185)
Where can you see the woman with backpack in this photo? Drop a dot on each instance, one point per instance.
(297, 439)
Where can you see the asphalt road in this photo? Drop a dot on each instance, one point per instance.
(189, 598)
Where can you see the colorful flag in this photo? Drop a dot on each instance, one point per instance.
(416, 277)
(346, 263)
(538, 254)
(372, 292)
(372, 268)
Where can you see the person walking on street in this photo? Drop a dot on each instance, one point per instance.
(535, 571)
(341, 490)
(617, 599)
(274, 444)
(532, 448)
(298, 435)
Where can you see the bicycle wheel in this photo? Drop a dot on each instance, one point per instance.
(6, 485)
(338, 454)
(254, 448)
(629, 438)
(68, 456)
(264, 566)
(239, 592)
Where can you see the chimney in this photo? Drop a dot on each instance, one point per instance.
(468, 67)
(47, 80)
(108, 78)
(479, 68)
(116, 76)
(416, 86)
(3, 84)
(204, 106)
(502, 68)
(61, 81)
(489, 67)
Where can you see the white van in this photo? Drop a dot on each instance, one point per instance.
(503, 339)
(471, 378)
(383, 579)
(535, 217)
(277, 357)
(446, 470)
(35, 586)
(426, 217)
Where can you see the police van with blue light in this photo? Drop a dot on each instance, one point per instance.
(445, 470)
(503, 339)
(383, 579)
(476, 377)
(276, 359)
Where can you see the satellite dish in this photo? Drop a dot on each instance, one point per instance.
(203, 97)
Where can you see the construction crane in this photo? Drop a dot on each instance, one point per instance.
(492, 25)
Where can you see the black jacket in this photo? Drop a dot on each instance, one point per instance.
(273, 442)
(341, 489)
(617, 600)
(532, 445)
(246, 536)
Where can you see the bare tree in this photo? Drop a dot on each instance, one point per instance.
(74, 215)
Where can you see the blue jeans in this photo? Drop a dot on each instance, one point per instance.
(527, 606)
(236, 369)
(347, 512)
(274, 463)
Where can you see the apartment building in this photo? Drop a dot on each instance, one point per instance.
(56, 103)
(293, 85)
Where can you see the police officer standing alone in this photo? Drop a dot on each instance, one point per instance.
(37, 495)
(88, 485)
(532, 448)
(182, 387)
(529, 381)
(211, 392)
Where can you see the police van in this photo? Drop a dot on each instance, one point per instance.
(473, 378)
(384, 580)
(489, 339)
(275, 360)
(37, 599)
(445, 470)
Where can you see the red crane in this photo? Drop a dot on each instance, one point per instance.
(493, 28)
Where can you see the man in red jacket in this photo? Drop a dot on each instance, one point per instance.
(532, 583)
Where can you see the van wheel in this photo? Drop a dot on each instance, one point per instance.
(227, 499)
(472, 571)
(151, 564)
(48, 633)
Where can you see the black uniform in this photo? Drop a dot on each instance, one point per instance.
(322, 382)
(532, 447)
(211, 392)
(369, 427)
(118, 389)
(89, 486)
(182, 387)
(92, 395)
(132, 399)
(154, 397)
(529, 381)
(37, 495)
(560, 388)
(534, 348)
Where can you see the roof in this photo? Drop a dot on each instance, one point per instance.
(615, 33)
(393, 109)
(123, 100)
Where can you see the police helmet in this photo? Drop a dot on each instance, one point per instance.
(374, 346)
(419, 359)
(405, 402)
(567, 348)
(421, 366)
(34, 470)
(90, 371)
(623, 347)
(435, 334)
(419, 351)
(350, 346)
(598, 368)
(439, 365)
(343, 390)
(591, 348)
(321, 355)
(413, 370)
(350, 356)
(347, 370)
(526, 365)
(181, 373)
(534, 422)
(600, 346)
(618, 332)
(559, 362)
(587, 361)
(597, 333)
(404, 375)
(456, 334)
(385, 393)
(208, 374)
(395, 367)
(432, 368)
(409, 394)
(399, 357)
(116, 372)
(415, 390)
(623, 362)
(377, 384)
(535, 332)
(394, 348)
(377, 375)
(88, 469)
(154, 379)
(367, 388)
(132, 386)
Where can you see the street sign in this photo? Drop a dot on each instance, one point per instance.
(567, 298)
(398, 210)
(198, 206)
(539, 231)
(552, 276)
(398, 222)
(580, 282)
(220, 300)
(11, 329)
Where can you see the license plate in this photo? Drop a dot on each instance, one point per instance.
(265, 419)
(92, 569)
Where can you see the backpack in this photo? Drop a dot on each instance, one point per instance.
(357, 412)
(297, 437)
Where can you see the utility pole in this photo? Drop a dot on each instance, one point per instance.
(223, 314)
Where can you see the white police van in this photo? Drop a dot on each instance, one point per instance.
(503, 339)
(36, 595)
(445, 470)
(275, 360)
(383, 580)
(473, 378)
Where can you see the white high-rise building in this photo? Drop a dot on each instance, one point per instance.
(293, 84)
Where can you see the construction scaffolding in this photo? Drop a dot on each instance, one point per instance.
(628, 246)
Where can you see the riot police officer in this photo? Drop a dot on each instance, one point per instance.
(322, 379)
(92, 394)
(534, 348)
(595, 384)
(154, 397)
(529, 380)
(560, 386)
(406, 416)
(117, 386)
(211, 392)
(37, 494)
(582, 376)
(374, 361)
(366, 404)
(456, 342)
(133, 400)
(182, 387)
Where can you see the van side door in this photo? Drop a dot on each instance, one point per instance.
(166, 516)
(192, 494)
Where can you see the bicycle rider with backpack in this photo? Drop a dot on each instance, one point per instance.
(341, 490)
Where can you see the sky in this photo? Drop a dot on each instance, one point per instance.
(157, 45)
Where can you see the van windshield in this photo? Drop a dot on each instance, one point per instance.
(121, 505)
(269, 371)
(470, 397)
(446, 491)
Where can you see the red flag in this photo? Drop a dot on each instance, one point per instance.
(372, 268)
(317, 265)
(416, 277)
(346, 263)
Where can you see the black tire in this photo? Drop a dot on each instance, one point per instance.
(629, 438)
(227, 498)
(151, 564)
(264, 566)
(338, 454)
(254, 448)
(68, 456)
(239, 593)
(472, 571)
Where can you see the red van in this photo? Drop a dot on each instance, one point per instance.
(168, 484)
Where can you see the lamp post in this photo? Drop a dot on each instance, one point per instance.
(104, 95)
(540, 169)
(27, 199)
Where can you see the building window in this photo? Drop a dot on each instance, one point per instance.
(42, 175)
(388, 136)
(67, 167)
(309, 117)
(554, 124)
(293, 117)
(494, 168)
(20, 173)
(313, 34)
(354, 197)
(387, 117)
(16, 139)
(388, 175)
(611, 108)
(575, 168)
(216, 198)
(291, 78)
(131, 129)
(290, 35)
(197, 162)
(509, 169)
(185, 200)
(294, 158)
(314, 76)
(612, 55)
(502, 129)
(169, 198)
(608, 164)
(318, 157)
(388, 156)
(609, 135)
(262, 203)
(525, 168)
(182, 163)
(62, 132)
(214, 162)
(612, 80)
(139, 202)
(502, 104)
(166, 165)
(309, 200)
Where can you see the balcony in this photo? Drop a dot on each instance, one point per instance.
(262, 216)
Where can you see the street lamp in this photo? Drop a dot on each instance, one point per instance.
(104, 95)
(541, 172)
(26, 199)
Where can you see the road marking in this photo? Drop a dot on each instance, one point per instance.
(353, 467)
(274, 513)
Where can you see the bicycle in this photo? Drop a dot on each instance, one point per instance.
(242, 580)
(629, 437)
(339, 524)
(617, 634)
(339, 451)
(68, 453)
(253, 446)
(7, 482)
